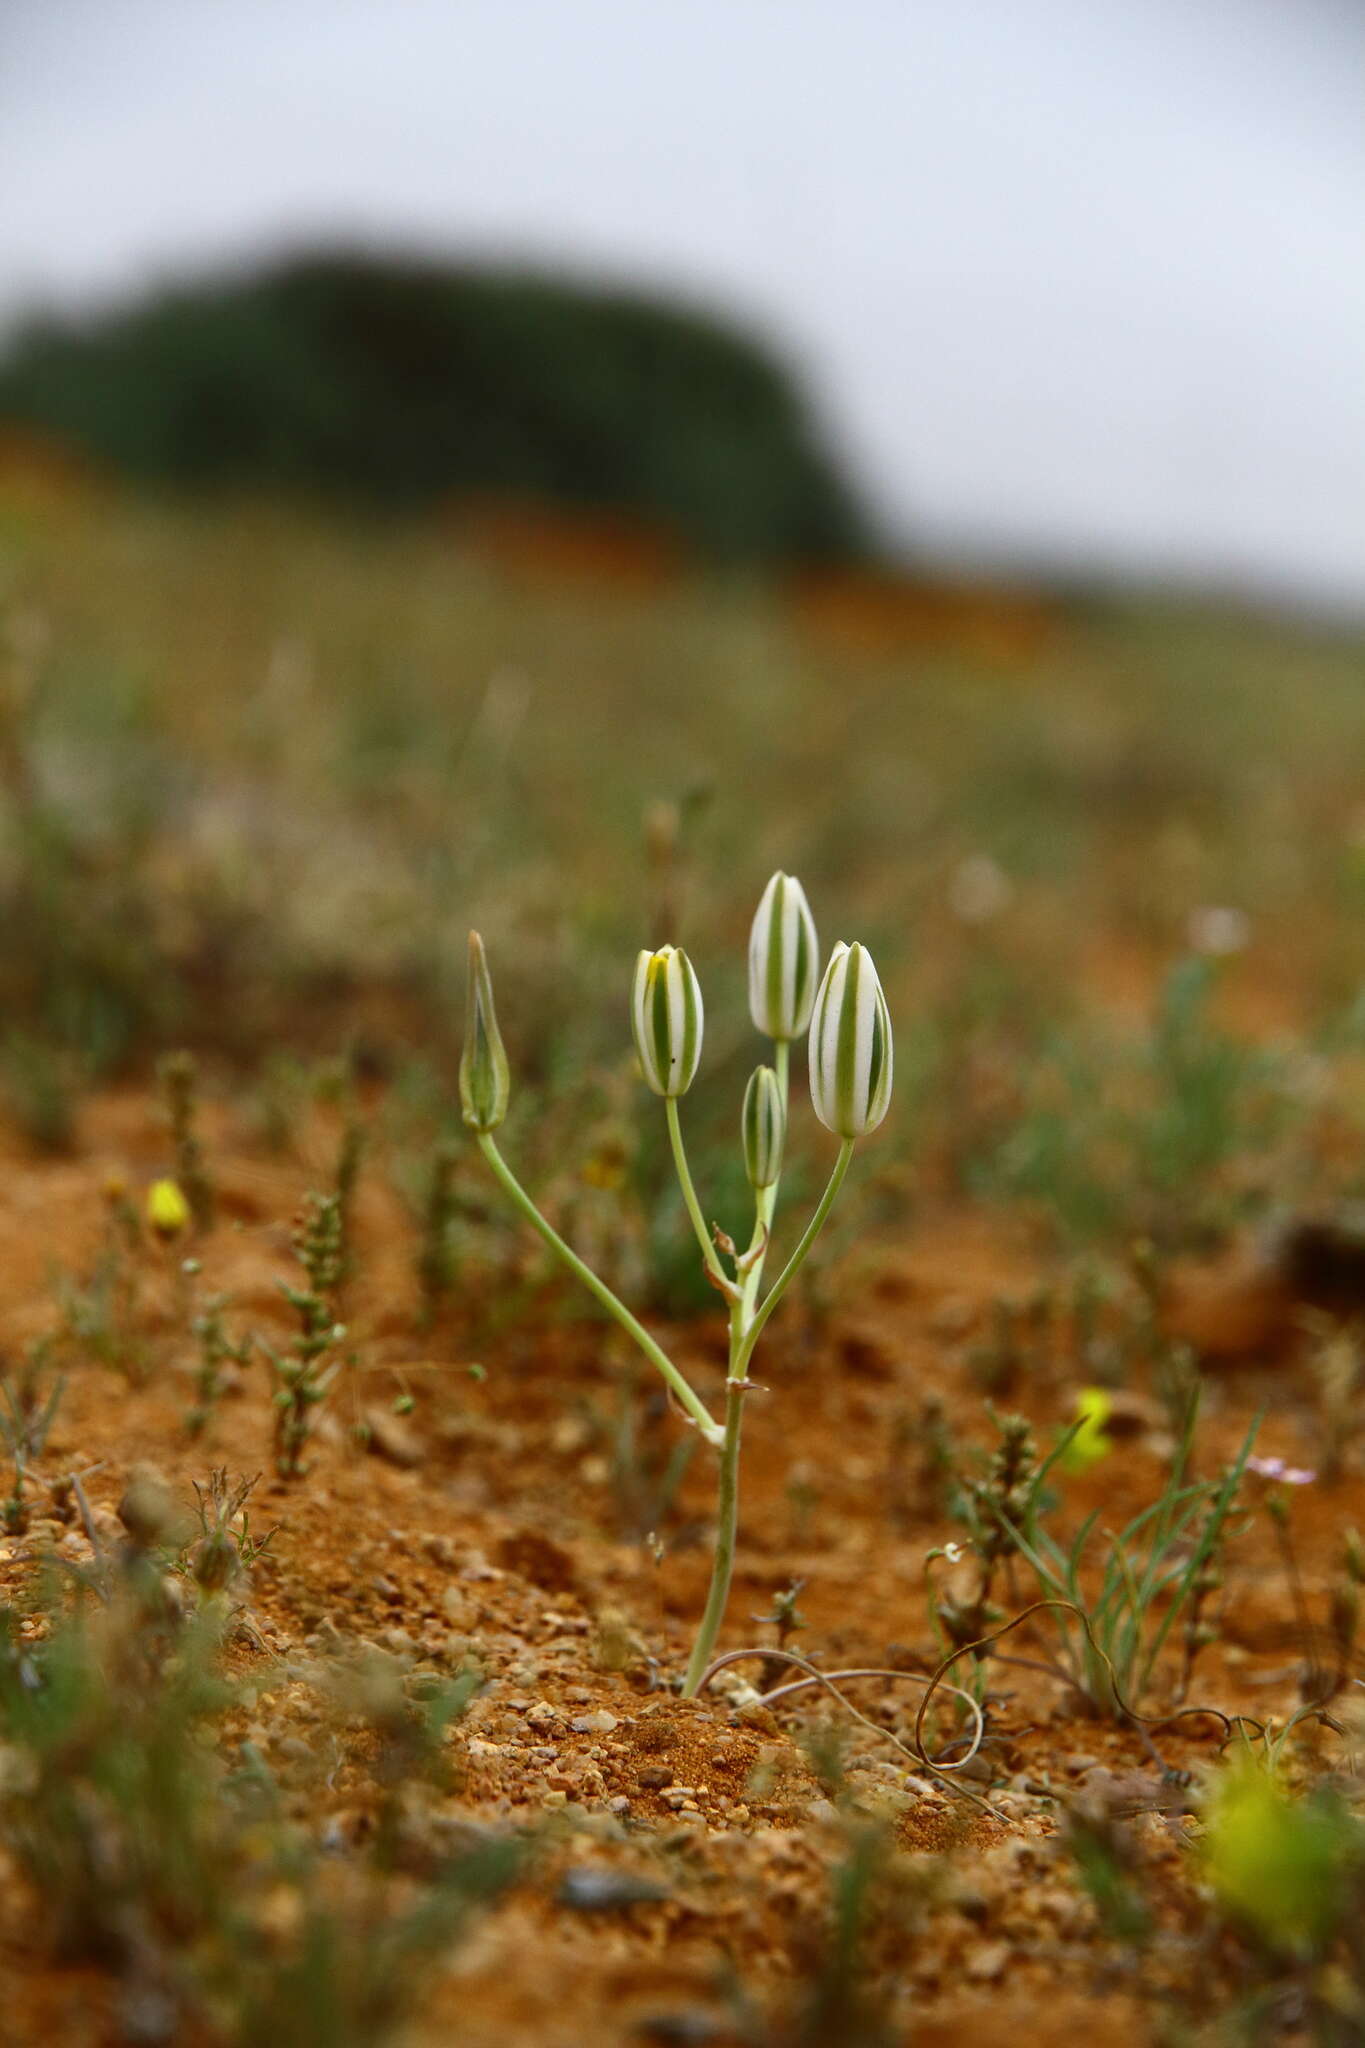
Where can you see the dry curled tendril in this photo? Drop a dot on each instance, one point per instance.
(832, 1681)
(937, 1681)
(1231, 1723)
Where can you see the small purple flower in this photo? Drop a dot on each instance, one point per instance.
(1275, 1468)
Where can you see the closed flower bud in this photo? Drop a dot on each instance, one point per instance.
(850, 1045)
(485, 1082)
(784, 960)
(764, 1126)
(666, 1019)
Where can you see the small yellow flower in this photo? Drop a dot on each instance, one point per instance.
(167, 1210)
(1090, 1443)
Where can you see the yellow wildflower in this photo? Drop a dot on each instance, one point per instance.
(167, 1210)
(1089, 1444)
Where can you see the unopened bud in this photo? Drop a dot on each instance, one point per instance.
(850, 1045)
(784, 960)
(485, 1082)
(763, 1123)
(666, 1019)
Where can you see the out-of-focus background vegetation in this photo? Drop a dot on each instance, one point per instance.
(406, 385)
(353, 595)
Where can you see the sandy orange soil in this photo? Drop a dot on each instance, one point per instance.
(483, 1526)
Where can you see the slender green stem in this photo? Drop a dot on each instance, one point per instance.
(689, 1193)
(727, 1524)
(745, 1327)
(794, 1263)
(615, 1308)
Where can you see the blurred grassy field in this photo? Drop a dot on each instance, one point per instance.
(260, 773)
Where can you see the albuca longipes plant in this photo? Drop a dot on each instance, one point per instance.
(850, 1052)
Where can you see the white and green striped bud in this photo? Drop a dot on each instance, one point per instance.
(763, 1123)
(784, 960)
(485, 1082)
(666, 1018)
(850, 1045)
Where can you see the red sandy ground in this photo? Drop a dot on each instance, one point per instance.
(497, 1539)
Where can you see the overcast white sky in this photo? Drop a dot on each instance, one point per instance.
(1078, 281)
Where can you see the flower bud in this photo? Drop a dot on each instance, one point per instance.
(850, 1045)
(764, 1127)
(784, 960)
(666, 1018)
(167, 1210)
(485, 1082)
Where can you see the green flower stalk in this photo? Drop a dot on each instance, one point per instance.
(850, 1066)
(784, 960)
(485, 1082)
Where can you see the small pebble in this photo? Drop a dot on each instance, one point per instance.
(590, 1889)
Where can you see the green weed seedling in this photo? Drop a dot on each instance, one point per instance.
(1328, 1649)
(788, 1621)
(279, 1100)
(40, 1085)
(1205, 1085)
(1157, 1134)
(305, 1374)
(407, 1718)
(102, 1315)
(112, 1815)
(1107, 1867)
(1112, 1616)
(336, 1085)
(178, 1074)
(219, 1354)
(155, 1863)
(850, 1064)
(356, 1965)
(29, 1400)
(842, 1991)
(1155, 1567)
(1274, 1926)
(225, 1550)
(983, 1505)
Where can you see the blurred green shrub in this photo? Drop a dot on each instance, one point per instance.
(402, 382)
